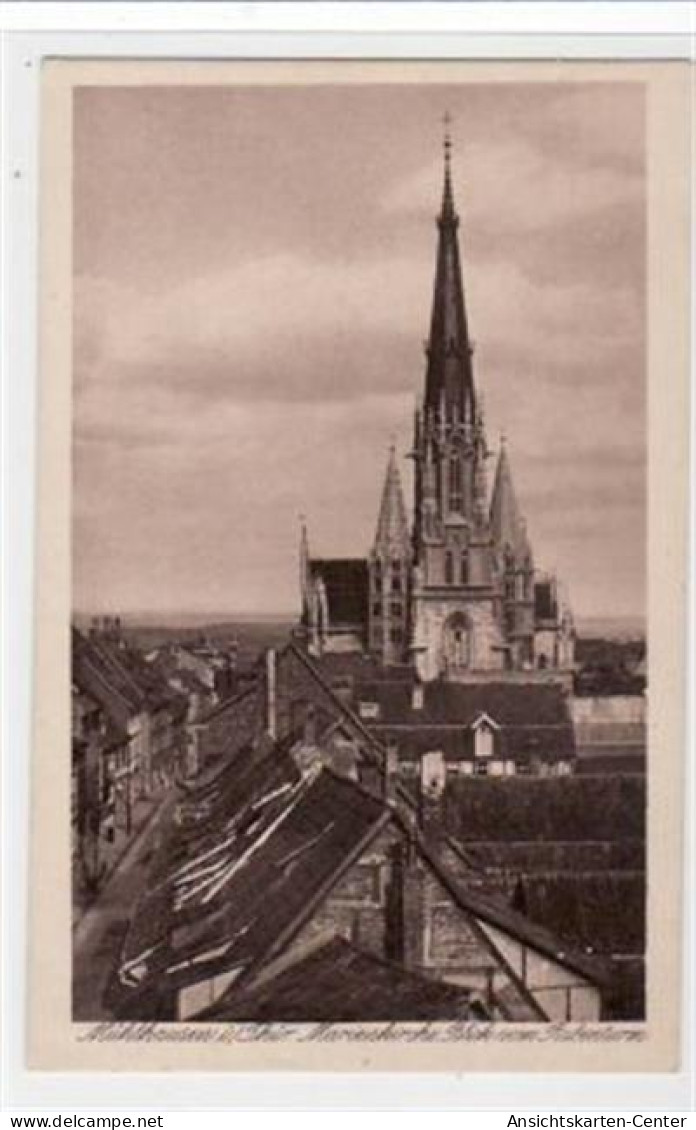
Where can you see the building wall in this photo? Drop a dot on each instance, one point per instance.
(397, 908)
(611, 722)
(604, 709)
(431, 614)
(562, 993)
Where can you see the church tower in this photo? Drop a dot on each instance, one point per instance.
(455, 624)
(456, 593)
(389, 568)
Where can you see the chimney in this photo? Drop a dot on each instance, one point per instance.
(309, 726)
(406, 906)
(391, 770)
(417, 696)
(433, 780)
(271, 695)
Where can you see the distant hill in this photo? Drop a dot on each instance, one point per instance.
(611, 627)
(249, 636)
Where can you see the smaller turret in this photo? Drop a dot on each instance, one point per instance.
(515, 566)
(389, 567)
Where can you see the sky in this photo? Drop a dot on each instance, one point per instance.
(253, 271)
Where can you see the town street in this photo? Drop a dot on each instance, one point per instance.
(98, 936)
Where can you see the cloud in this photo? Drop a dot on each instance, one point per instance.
(254, 280)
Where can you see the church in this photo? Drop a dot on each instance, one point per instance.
(454, 595)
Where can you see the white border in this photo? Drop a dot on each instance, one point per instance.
(659, 30)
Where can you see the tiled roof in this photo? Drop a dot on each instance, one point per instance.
(95, 671)
(336, 982)
(533, 718)
(498, 913)
(508, 704)
(220, 708)
(347, 589)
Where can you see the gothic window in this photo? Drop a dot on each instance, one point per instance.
(528, 578)
(455, 492)
(464, 567)
(449, 568)
(376, 608)
(458, 642)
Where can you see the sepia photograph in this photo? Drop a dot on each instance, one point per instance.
(359, 649)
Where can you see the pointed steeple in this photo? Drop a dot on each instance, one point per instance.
(392, 537)
(507, 524)
(449, 382)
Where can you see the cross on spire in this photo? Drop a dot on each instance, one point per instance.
(447, 197)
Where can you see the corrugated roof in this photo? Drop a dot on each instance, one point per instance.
(234, 891)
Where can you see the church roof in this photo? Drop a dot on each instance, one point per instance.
(392, 538)
(346, 581)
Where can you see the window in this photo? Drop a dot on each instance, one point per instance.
(455, 484)
(368, 709)
(458, 642)
(464, 567)
(395, 608)
(376, 608)
(449, 568)
(396, 583)
(481, 768)
(396, 635)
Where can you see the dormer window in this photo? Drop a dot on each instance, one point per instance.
(484, 737)
(368, 710)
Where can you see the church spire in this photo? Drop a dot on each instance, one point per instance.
(507, 524)
(449, 379)
(392, 537)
